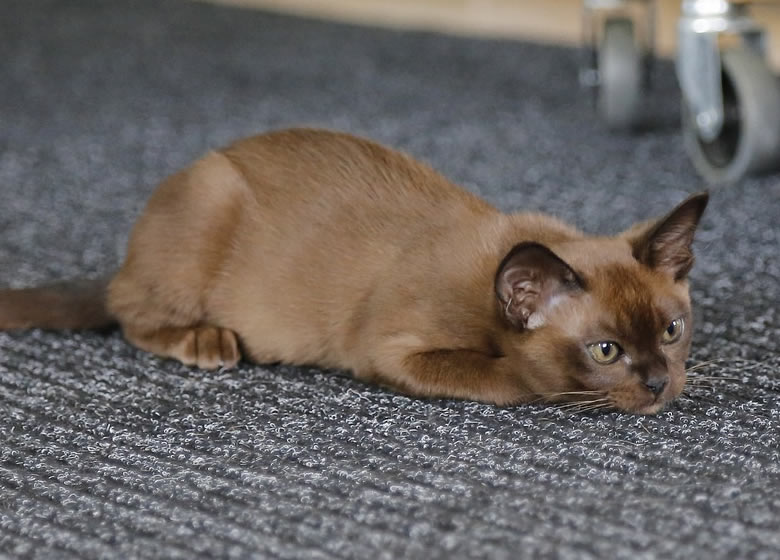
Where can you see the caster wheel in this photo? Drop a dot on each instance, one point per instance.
(620, 68)
(749, 141)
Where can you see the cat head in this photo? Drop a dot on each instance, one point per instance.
(606, 320)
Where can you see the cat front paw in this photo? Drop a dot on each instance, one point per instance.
(209, 348)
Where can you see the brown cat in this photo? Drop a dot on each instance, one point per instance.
(315, 247)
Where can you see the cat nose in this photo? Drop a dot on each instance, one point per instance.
(656, 385)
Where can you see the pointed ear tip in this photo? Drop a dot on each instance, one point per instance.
(701, 199)
(696, 202)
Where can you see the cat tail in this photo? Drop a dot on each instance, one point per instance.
(73, 304)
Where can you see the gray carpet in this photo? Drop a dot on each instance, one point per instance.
(107, 452)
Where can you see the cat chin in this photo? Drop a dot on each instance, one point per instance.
(654, 408)
(635, 405)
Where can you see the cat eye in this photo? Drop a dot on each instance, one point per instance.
(673, 332)
(605, 352)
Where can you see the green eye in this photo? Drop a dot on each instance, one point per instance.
(605, 352)
(673, 332)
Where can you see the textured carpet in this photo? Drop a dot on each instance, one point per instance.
(107, 452)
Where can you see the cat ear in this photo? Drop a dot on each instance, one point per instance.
(665, 244)
(530, 281)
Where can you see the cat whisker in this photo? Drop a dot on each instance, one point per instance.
(574, 393)
(605, 404)
(754, 365)
(547, 397)
(588, 408)
(570, 393)
(694, 387)
(600, 399)
(705, 383)
(745, 365)
(584, 406)
(707, 363)
(692, 382)
(712, 378)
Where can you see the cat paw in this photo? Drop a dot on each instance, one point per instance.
(205, 347)
(208, 348)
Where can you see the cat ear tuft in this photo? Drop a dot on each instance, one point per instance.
(531, 280)
(665, 244)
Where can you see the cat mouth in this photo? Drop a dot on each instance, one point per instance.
(658, 404)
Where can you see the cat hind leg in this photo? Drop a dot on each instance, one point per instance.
(176, 256)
